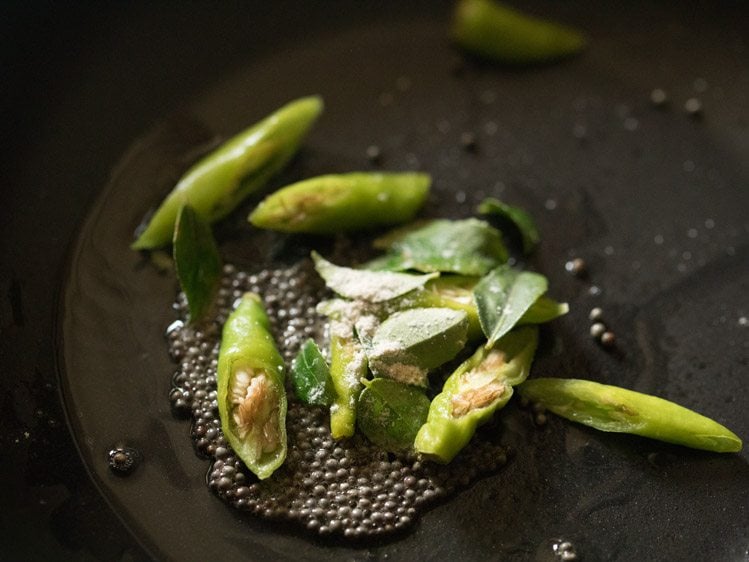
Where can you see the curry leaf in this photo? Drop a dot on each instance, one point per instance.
(390, 413)
(517, 216)
(197, 261)
(503, 296)
(311, 377)
(370, 286)
(468, 247)
(408, 344)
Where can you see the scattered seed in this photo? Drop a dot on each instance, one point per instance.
(595, 314)
(608, 339)
(468, 141)
(700, 85)
(374, 154)
(576, 267)
(579, 131)
(123, 460)
(659, 97)
(597, 330)
(693, 107)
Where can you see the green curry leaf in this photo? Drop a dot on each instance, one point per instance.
(468, 247)
(196, 260)
(409, 343)
(503, 297)
(390, 413)
(517, 216)
(311, 377)
(370, 286)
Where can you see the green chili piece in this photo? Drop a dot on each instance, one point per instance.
(478, 388)
(615, 409)
(494, 31)
(543, 310)
(196, 260)
(348, 365)
(216, 184)
(343, 203)
(251, 392)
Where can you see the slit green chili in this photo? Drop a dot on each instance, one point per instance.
(216, 184)
(251, 392)
(479, 387)
(611, 408)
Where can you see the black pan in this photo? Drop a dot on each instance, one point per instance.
(105, 105)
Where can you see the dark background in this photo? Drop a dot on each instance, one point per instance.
(78, 83)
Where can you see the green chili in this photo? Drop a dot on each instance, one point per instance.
(216, 184)
(478, 388)
(345, 202)
(348, 365)
(455, 292)
(611, 408)
(494, 31)
(251, 392)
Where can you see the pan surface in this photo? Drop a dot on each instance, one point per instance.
(654, 199)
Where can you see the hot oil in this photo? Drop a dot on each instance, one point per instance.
(349, 487)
